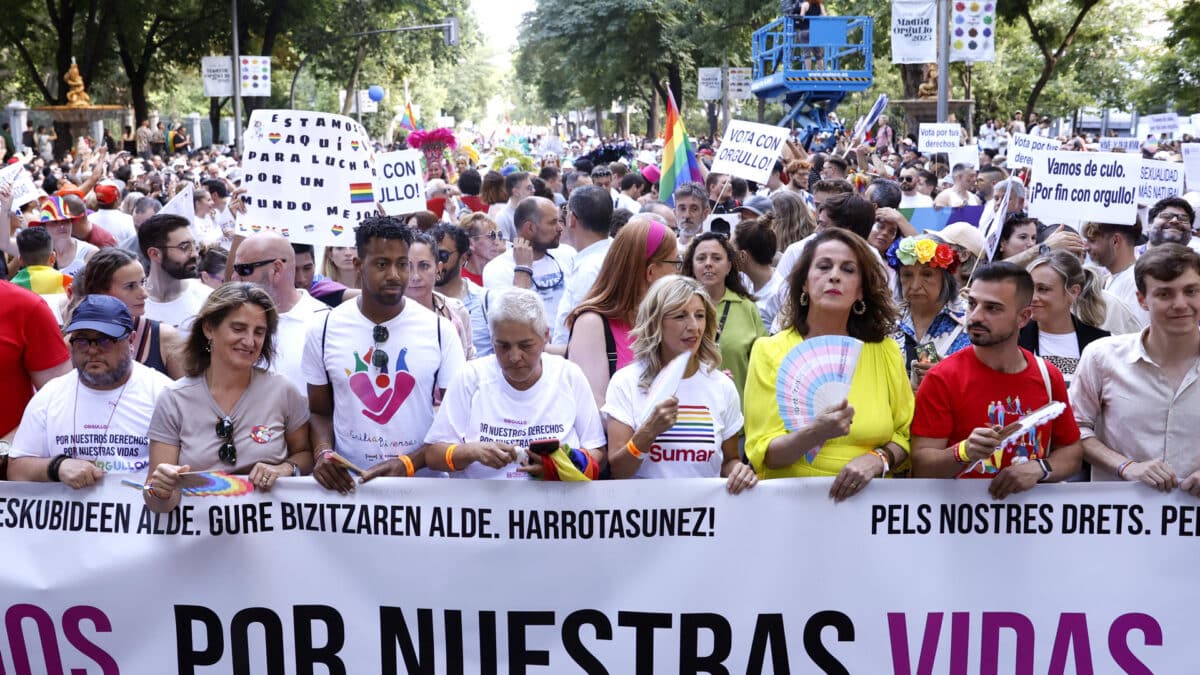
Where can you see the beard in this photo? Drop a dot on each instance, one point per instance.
(447, 276)
(184, 270)
(110, 378)
(987, 339)
(1169, 235)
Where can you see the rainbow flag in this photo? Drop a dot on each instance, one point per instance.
(679, 163)
(408, 121)
(361, 193)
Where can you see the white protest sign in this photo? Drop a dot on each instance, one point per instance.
(362, 101)
(308, 176)
(1191, 165)
(1127, 144)
(964, 154)
(1162, 123)
(991, 223)
(939, 137)
(1073, 186)
(708, 87)
(1022, 147)
(20, 184)
(182, 204)
(749, 150)
(914, 31)
(739, 83)
(399, 187)
(217, 73)
(1158, 180)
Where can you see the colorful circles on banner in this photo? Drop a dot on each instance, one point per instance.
(256, 73)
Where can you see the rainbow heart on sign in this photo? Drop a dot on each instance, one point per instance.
(274, 136)
(337, 229)
(353, 145)
(256, 228)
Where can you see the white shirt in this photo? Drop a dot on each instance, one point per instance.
(380, 413)
(549, 275)
(1061, 349)
(107, 427)
(505, 220)
(481, 405)
(915, 201)
(206, 231)
(585, 267)
(710, 413)
(179, 312)
(291, 333)
(624, 201)
(1124, 287)
(115, 222)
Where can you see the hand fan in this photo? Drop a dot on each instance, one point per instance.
(346, 464)
(813, 376)
(666, 383)
(214, 484)
(1033, 419)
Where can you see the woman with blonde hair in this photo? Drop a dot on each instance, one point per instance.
(487, 242)
(644, 251)
(791, 219)
(692, 433)
(1068, 308)
(338, 265)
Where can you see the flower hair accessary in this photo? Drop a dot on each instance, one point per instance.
(920, 250)
(440, 138)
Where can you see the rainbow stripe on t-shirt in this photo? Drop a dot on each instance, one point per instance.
(693, 424)
(361, 193)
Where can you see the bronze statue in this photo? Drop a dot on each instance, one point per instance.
(76, 96)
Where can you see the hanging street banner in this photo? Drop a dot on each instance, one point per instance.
(217, 75)
(1068, 187)
(637, 576)
(309, 176)
(973, 30)
(914, 31)
(399, 184)
(749, 150)
(739, 83)
(708, 87)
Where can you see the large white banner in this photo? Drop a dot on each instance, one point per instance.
(1126, 143)
(1067, 187)
(308, 176)
(749, 150)
(637, 576)
(914, 31)
(1162, 123)
(216, 72)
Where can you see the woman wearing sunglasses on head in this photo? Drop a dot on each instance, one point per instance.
(228, 414)
(423, 260)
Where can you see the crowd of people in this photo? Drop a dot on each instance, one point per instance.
(517, 328)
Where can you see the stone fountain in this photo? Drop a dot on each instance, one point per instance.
(79, 112)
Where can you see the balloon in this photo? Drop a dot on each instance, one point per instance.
(375, 93)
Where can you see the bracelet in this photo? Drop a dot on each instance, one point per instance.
(149, 487)
(408, 465)
(891, 456)
(883, 458)
(295, 467)
(1121, 469)
(52, 469)
(960, 454)
(450, 456)
(633, 449)
(524, 268)
(323, 455)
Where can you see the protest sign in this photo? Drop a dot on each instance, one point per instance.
(362, 102)
(991, 223)
(399, 185)
(1191, 165)
(973, 37)
(1072, 186)
(20, 184)
(1127, 144)
(964, 154)
(308, 176)
(1162, 123)
(183, 205)
(1022, 147)
(739, 83)
(708, 87)
(914, 31)
(749, 150)
(517, 577)
(1158, 180)
(939, 137)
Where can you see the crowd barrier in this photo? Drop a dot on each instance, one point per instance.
(625, 577)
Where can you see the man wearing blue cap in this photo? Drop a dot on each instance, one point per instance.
(94, 419)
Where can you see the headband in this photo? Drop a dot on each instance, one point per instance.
(654, 238)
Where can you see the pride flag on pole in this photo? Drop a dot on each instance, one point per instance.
(408, 121)
(679, 163)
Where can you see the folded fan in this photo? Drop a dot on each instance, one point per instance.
(666, 383)
(814, 376)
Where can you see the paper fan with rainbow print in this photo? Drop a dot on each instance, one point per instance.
(813, 376)
(214, 484)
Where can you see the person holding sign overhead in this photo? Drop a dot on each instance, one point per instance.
(672, 413)
(838, 289)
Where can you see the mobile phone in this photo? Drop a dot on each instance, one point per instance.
(927, 353)
(544, 447)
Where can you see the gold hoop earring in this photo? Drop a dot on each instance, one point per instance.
(803, 299)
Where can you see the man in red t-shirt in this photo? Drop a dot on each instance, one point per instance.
(966, 400)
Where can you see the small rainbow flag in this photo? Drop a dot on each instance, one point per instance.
(408, 121)
(361, 193)
(274, 136)
(679, 163)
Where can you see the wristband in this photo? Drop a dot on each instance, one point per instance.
(961, 453)
(524, 268)
(323, 455)
(883, 458)
(295, 467)
(450, 456)
(52, 469)
(149, 487)
(1121, 469)
(1046, 470)
(633, 449)
(408, 465)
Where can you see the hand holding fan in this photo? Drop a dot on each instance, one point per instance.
(1010, 434)
(214, 484)
(666, 383)
(814, 376)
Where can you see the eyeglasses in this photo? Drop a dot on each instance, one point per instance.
(1170, 216)
(227, 452)
(493, 235)
(83, 344)
(554, 281)
(379, 358)
(246, 269)
(185, 248)
(677, 263)
(444, 256)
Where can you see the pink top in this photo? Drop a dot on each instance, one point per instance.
(624, 342)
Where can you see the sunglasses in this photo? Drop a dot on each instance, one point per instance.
(246, 269)
(443, 256)
(227, 452)
(379, 358)
(906, 179)
(493, 235)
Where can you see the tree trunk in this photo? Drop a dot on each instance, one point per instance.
(214, 118)
(1050, 59)
(652, 116)
(675, 82)
(352, 90)
(137, 92)
(712, 119)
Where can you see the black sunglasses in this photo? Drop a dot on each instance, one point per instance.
(82, 343)
(227, 453)
(379, 358)
(444, 256)
(246, 269)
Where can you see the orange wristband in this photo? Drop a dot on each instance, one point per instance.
(408, 465)
(450, 456)
(633, 450)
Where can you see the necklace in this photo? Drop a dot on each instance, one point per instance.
(75, 412)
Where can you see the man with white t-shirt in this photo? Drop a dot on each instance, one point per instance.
(116, 222)
(176, 293)
(267, 260)
(1112, 247)
(375, 365)
(588, 214)
(529, 263)
(910, 198)
(95, 418)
